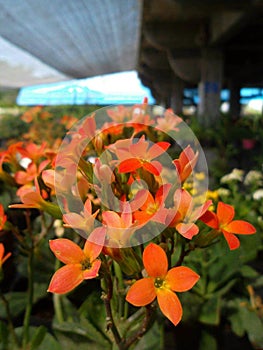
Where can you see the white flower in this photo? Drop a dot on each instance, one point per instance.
(258, 194)
(59, 229)
(223, 192)
(253, 177)
(235, 175)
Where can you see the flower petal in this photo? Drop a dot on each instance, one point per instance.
(183, 202)
(210, 219)
(225, 213)
(94, 243)
(66, 279)
(232, 241)
(155, 260)
(139, 149)
(66, 251)
(181, 279)
(142, 292)
(5, 257)
(74, 220)
(2, 251)
(157, 149)
(154, 167)
(129, 165)
(170, 305)
(187, 155)
(187, 230)
(240, 227)
(112, 219)
(162, 193)
(142, 217)
(93, 272)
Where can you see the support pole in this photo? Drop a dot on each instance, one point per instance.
(177, 95)
(209, 89)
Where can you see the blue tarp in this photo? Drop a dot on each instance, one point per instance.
(119, 88)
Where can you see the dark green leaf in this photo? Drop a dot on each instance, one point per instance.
(3, 336)
(207, 341)
(38, 337)
(253, 326)
(210, 312)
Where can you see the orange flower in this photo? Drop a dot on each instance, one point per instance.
(154, 208)
(80, 264)
(83, 221)
(183, 216)
(120, 228)
(24, 177)
(33, 151)
(186, 163)
(168, 122)
(2, 253)
(31, 197)
(3, 217)
(134, 156)
(223, 221)
(161, 283)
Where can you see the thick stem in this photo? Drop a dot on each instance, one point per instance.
(143, 329)
(106, 297)
(110, 321)
(30, 294)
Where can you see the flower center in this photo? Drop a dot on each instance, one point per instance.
(152, 208)
(158, 282)
(85, 264)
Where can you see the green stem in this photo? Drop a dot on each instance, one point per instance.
(106, 297)
(57, 300)
(9, 318)
(30, 293)
(149, 314)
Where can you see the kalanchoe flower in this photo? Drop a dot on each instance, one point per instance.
(83, 221)
(184, 215)
(33, 151)
(154, 208)
(168, 122)
(120, 228)
(32, 198)
(24, 177)
(162, 284)
(223, 222)
(3, 217)
(186, 163)
(80, 264)
(134, 156)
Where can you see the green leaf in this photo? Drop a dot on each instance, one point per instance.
(258, 283)
(207, 341)
(84, 329)
(48, 342)
(93, 309)
(210, 312)
(237, 324)
(38, 337)
(3, 336)
(248, 272)
(152, 339)
(253, 326)
(17, 300)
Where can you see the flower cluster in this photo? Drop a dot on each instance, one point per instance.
(123, 185)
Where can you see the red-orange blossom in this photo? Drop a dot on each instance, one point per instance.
(161, 283)
(80, 264)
